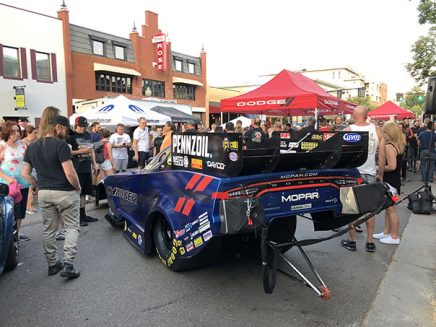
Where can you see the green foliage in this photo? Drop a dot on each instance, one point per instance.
(427, 12)
(414, 100)
(362, 101)
(424, 57)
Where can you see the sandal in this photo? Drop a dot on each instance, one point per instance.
(358, 229)
(370, 247)
(349, 245)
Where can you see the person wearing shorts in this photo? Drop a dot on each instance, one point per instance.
(119, 142)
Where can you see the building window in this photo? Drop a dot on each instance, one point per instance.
(339, 74)
(109, 82)
(98, 47)
(153, 88)
(191, 68)
(43, 71)
(184, 91)
(333, 75)
(178, 65)
(11, 63)
(120, 52)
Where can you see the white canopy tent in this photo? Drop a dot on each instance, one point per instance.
(246, 122)
(123, 110)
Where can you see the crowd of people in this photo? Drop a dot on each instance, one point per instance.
(58, 167)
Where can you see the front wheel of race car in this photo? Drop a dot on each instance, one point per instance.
(13, 252)
(169, 249)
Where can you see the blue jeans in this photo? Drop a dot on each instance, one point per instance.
(424, 154)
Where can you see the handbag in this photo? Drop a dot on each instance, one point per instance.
(15, 192)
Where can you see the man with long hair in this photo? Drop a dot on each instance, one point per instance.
(58, 193)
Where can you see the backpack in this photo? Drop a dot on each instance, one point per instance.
(99, 152)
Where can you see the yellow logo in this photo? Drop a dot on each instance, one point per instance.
(198, 241)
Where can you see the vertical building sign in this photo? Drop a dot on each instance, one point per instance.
(20, 103)
(161, 52)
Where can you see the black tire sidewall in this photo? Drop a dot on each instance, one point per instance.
(13, 252)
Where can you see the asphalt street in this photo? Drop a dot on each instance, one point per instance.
(120, 286)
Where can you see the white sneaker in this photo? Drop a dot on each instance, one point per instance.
(390, 240)
(381, 235)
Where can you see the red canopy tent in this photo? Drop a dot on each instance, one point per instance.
(288, 93)
(390, 109)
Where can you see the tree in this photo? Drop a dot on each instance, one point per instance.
(362, 101)
(423, 63)
(414, 100)
(424, 57)
(427, 12)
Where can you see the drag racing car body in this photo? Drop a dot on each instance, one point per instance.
(206, 187)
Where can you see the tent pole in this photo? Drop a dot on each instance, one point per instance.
(221, 118)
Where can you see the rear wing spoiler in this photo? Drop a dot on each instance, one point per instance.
(224, 154)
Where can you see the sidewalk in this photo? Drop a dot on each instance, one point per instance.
(406, 296)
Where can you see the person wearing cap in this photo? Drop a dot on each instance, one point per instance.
(58, 193)
(84, 162)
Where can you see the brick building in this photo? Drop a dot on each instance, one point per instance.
(140, 66)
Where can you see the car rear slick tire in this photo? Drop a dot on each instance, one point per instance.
(13, 252)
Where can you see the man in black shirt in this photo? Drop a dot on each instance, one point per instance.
(158, 141)
(255, 137)
(83, 160)
(58, 194)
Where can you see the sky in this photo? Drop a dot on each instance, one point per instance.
(245, 39)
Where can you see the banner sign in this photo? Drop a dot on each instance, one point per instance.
(20, 102)
(218, 154)
(161, 52)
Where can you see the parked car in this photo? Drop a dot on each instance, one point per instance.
(9, 246)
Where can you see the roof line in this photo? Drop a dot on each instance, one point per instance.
(30, 11)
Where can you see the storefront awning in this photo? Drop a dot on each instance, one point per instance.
(186, 81)
(115, 69)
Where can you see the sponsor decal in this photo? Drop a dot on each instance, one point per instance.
(198, 241)
(185, 162)
(203, 217)
(217, 165)
(197, 163)
(207, 236)
(333, 200)
(298, 175)
(193, 234)
(189, 247)
(302, 206)
(135, 109)
(192, 145)
(134, 235)
(308, 145)
(177, 242)
(317, 137)
(352, 137)
(230, 145)
(189, 226)
(139, 239)
(178, 161)
(260, 103)
(122, 194)
(233, 156)
(300, 196)
(327, 136)
(182, 250)
(285, 135)
(179, 232)
(331, 102)
(107, 108)
(204, 227)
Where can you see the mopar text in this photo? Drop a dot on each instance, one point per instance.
(193, 145)
(301, 196)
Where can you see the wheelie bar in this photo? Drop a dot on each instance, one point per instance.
(270, 266)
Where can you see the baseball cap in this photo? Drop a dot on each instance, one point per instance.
(61, 120)
(81, 121)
